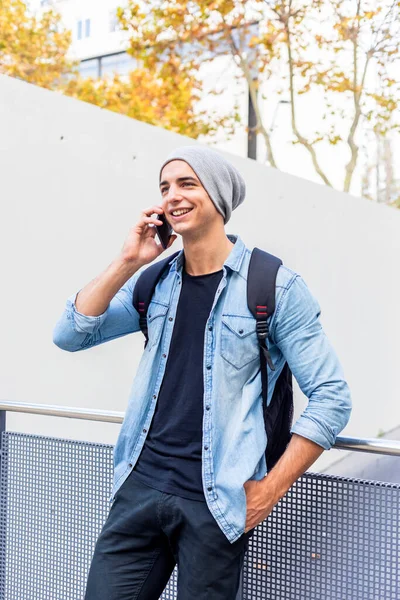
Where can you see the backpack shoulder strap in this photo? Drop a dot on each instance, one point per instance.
(278, 415)
(144, 289)
(261, 282)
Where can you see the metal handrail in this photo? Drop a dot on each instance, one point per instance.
(371, 445)
(106, 416)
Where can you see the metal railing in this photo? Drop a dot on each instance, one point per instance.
(329, 537)
(371, 445)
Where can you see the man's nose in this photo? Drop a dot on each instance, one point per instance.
(169, 200)
(173, 194)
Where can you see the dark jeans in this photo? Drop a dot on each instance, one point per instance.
(147, 532)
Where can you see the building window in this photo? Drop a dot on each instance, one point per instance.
(90, 68)
(83, 29)
(113, 21)
(120, 63)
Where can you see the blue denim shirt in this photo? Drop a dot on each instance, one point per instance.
(234, 438)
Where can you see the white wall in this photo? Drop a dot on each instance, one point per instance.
(73, 180)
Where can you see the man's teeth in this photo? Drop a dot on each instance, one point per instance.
(177, 213)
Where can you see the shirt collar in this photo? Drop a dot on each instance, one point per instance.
(233, 260)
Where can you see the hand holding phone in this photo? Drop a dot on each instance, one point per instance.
(164, 231)
(141, 247)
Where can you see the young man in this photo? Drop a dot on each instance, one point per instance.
(190, 479)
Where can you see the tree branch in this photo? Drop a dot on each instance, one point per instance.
(357, 94)
(302, 140)
(253, 95)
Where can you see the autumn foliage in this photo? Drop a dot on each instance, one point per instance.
(35, 49)
(165, 97)
(31, 48)
(345, 50)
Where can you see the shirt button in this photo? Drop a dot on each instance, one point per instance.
(154, 396)
(208, 367)
(170, 319)
(210, 329)
(209, 489)
(240, 330)
(130, 465)
(208, 407)
(164, 356)
(205, 447)
(144, 430)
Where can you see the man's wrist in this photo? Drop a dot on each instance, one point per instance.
(275, 486)
(128, 266)
(300, 454)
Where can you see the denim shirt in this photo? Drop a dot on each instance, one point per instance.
(234, 438)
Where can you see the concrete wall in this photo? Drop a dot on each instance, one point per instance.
(73, 180)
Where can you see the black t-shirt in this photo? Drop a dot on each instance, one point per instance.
(171, 457)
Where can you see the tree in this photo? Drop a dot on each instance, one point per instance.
(164, 97)
(345, 49)
(35, 49)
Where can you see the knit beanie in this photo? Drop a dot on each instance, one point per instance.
(221, 180)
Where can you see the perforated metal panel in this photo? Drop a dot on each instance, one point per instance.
(53, 502)
(329, 538)
(56, 496)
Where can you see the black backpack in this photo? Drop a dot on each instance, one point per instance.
(261, 281)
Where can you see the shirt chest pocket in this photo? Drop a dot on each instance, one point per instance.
(156, 316)
(239, 344)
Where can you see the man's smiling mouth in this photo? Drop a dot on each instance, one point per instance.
(180, 211)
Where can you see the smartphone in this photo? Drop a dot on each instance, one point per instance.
(164, 231)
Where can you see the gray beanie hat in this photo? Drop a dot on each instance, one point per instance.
(222, 182)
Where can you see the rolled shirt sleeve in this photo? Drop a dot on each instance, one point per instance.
(75, 331)
(299, 335)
